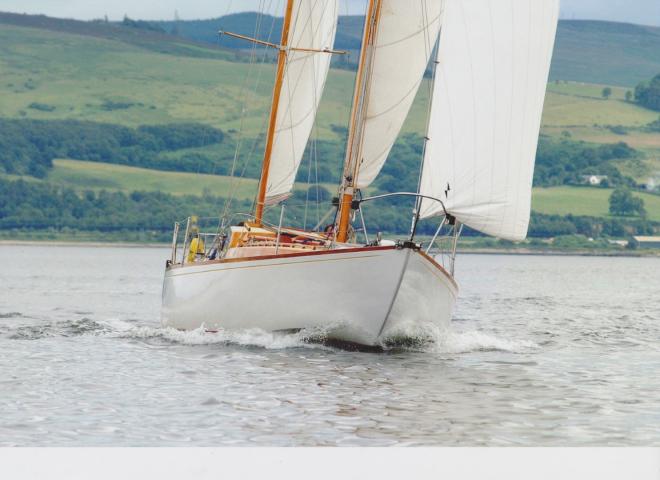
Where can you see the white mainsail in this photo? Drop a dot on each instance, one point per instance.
(313, 27)
(493, 65)
(406, 34)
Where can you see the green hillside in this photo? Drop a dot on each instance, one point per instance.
(96, 176)
(151, 40)
(586, 51)
(48, 74)
(75, 74)
(62, 69)
(580, 110)
(349, 31)
(81, 176)
(593, 202)
(606, 52)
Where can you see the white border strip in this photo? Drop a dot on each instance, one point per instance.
(330, 463)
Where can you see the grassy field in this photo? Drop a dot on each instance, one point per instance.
(569, 105)
(98, 176)
(580, 110)
(585, 201)
(77, 73)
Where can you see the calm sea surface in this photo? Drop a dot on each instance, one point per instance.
(543, 351)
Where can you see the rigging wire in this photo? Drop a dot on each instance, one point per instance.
(429, 106)
(313, 58)
(205, 135)
(293, 84)
(313, 152)
(244, 97)
(247, 97)
(306, 58)
(266, 119)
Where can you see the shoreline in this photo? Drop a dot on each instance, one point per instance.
(71, 243)
(463, 251)
(560, 253)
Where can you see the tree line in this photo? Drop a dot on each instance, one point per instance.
(39, 206)
(565, 161)
(28, 147)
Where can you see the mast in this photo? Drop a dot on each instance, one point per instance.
(277, 92)
(358, 118)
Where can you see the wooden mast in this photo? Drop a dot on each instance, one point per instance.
(277, 92)
(358, 117)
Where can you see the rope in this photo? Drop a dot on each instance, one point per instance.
(246, 98)
(430, 84)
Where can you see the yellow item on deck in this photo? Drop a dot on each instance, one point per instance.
(196, 248)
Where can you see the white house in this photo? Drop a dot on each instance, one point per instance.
(594, 180)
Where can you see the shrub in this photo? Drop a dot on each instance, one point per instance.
(42, 107)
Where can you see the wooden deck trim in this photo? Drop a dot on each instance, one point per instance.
(283, 256)
(432, 261)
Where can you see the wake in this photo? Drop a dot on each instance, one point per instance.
(426, 338)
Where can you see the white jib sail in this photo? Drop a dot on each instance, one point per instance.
(313, 26)
(494, 60)
(406, 35)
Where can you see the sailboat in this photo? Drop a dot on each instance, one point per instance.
(491, 60)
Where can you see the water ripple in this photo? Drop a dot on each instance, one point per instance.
(543, 352)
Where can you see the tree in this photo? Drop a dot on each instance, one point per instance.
(654, 126)
(606, 93)
(647, 94)
(629, 96)
(623, 203)
(175, 28)
(633, 244)
(316, 193)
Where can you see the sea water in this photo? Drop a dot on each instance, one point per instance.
(542, 351)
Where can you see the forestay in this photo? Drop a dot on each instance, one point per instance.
(313, 26)
(406, 34)
(494, 59)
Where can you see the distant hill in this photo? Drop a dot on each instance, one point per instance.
(67, 69)
(606, 52)
(597, 52)
(264, 27)
(587, 51)
(132, 75)
(143, 38)
(111, 74)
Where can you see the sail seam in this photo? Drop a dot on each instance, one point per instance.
(412, 35)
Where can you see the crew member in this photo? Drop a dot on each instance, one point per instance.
(196, 246)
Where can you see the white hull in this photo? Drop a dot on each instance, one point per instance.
(362, 295)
